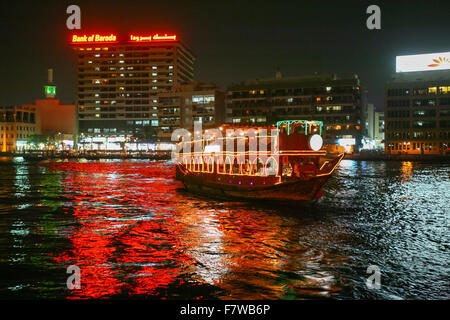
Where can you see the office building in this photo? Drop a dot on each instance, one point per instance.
(189, 103)
(336, 102)
(119, 80)
(417, 105)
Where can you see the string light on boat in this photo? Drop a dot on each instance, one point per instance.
(315, 142)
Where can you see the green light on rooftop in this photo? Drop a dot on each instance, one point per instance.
(50, 90)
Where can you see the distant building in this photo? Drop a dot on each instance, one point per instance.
(189, 103)
(56, 120)
(17, 125)
(336, 102)
(119, 80)
(369, 116)
(46, 117)
(378, 127)
(417, 107)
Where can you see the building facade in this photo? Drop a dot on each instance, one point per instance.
(119, 79)
(56, 122)
(17, 126)
(369, 116)
(378, 126)
(189, 103)
(336, 102)
(417, 112)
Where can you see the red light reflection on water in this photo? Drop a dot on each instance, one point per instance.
(133, 233)
(125, 233)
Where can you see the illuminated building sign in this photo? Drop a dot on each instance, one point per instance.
(93, 38)
(423, 62)
(155, 37)
(97, 38)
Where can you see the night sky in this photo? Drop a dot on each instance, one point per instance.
(232, 40)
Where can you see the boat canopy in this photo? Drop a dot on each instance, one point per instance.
(307, 125)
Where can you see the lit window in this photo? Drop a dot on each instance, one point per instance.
(444, 90)
(154, 74)
(153, 67)
(170, 67)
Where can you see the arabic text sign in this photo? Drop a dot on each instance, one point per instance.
(111, 38)
(156, 37)
(423, 62)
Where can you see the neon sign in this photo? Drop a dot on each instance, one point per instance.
(140, 38)
(93, 38)
(111, 38)
(155, 37)
(164, 37)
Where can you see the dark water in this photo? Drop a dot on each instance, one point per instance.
(135, 234)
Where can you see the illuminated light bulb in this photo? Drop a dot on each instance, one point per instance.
(315, 142)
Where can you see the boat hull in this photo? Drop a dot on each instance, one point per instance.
(300, 190)
(306, 187)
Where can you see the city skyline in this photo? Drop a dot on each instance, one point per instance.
(240, 46)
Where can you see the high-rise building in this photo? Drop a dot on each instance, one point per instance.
(120, 77)
(417, 105)
(189, 103)
(336, 102)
